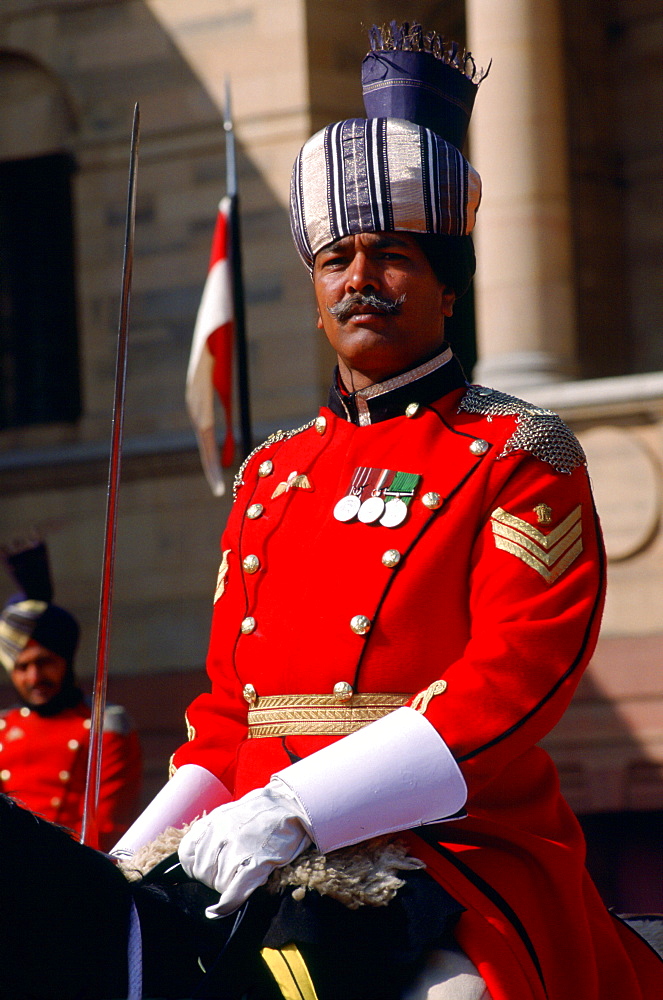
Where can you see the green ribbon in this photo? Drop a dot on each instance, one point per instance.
(403, 486)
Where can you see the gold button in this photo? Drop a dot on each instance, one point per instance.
(321, 424)
(360, 624)
(265, 468)
(3, 723)
(391, 558)
(250, 694)
(5, 775)
(431, 500)
(73, 744)
(254, 511)
(86, 724)
(479, 447)
(343, 691)
(411, 409)
(251, 564)
(248, 626)
(55, 802)
(64, 776)
(24, 712)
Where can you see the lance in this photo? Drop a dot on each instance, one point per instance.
(235, 253)
(89, 832)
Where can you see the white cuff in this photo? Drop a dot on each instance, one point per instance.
(191, 791)
(394, 774)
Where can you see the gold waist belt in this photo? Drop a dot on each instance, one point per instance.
(318, 714)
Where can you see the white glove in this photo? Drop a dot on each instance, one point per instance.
(236, 847)
(190, 792)
(394, 774)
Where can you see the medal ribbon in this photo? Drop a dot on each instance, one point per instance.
(359, 481)
(403, 487)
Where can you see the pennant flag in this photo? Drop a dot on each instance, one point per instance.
(210, 362)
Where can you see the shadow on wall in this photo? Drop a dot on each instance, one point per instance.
(607, 754)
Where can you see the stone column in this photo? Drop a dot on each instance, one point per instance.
(524, 285)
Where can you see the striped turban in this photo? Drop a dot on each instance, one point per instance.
(379, 174)
(47, 624)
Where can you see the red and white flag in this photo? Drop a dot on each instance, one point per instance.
(211, 359)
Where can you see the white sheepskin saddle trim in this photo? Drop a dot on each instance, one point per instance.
(362, 875)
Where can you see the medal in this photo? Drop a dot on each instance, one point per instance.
(372, 509)
(395, 512)
(399, 495)
(348, 506)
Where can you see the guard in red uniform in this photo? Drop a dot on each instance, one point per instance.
(410, 588)
(44, 740)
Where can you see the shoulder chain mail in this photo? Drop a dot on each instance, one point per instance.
(540, 432)
(272, 439)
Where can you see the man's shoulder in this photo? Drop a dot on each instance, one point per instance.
(6, 714)
(263, 449)
(27, 718)
(117, 720)
(528, 428)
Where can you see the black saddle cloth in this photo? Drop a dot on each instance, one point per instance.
(65, 912)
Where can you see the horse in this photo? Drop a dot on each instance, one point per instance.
(76, 926)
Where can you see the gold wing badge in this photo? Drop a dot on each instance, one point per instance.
(295, 481)
(549, 554)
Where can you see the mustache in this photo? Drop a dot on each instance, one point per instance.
(378, 303)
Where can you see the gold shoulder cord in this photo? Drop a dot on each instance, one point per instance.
(289, 969)
(272, 439)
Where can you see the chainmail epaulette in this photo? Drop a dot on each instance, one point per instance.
(272, 439)
(540, 432)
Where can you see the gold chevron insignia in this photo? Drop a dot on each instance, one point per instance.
(295, 481)
(550, 554)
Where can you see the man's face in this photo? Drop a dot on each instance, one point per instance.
(373, 341)
(38, 674)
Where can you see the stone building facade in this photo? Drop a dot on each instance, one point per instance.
(567, 308)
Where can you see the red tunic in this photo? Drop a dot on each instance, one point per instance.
(43, 765)
(498, 590)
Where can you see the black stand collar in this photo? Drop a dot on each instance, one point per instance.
(384, 400)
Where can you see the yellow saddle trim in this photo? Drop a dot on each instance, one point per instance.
(288, 967)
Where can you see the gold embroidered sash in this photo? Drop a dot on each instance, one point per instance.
(318, 714)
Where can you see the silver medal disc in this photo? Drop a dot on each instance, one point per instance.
(347, 508)
(395, 512)
(371, 510)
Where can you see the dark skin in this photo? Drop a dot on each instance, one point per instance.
(371, 344)
(38, 674)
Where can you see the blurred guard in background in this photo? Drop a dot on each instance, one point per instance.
(44, 739)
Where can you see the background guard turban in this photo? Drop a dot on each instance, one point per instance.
(401, 168)
(30, 613)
